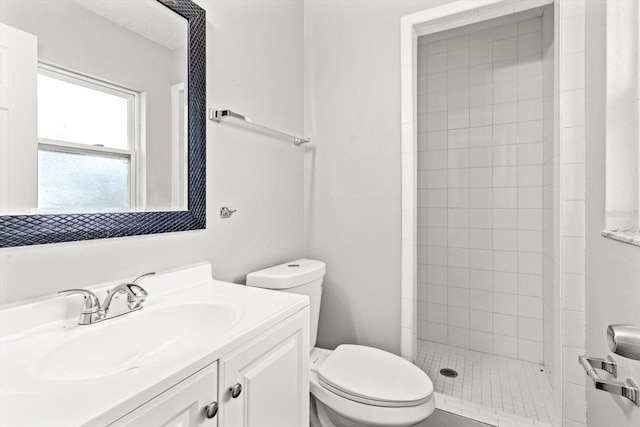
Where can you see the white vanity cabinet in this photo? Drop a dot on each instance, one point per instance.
(269, 378)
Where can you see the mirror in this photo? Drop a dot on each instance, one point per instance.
(103, 119)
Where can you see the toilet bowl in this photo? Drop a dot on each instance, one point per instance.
(367, 387)
(353, 385)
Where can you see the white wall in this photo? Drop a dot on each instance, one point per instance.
(612, 268)
(480, 199)
(352, 168)
(254, 65)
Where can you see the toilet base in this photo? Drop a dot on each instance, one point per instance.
(320, 415)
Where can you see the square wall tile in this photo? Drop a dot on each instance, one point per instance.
(505, 198)
(505, 134)
(481, 341)
(505, 346)
(573, 30)
(573, 371)
(458, 178)
(505, 155)
(505, 49)
(530, 329)
(480, 198)
(573, 182)
(481, 280)
(481, 54)
(481, 303)
(439, 46)
(531, 351)
(530, 285)
(530, 262)
(506, 325)
(505, 31)
(458, 297)
(458, 317)
(437, 63)
(505, 261)
(458, 337)
(572, 147)
(529, 132)
(458, 277)
(437, 332)
(573, 402)
(437, 313)
(505, 282)
(457, 59)
(481, 218)
(505, 304)
(572, 105)
(573, 328)
(572, 218)
(507, 112)
(530, 44)
(573, 292)
(480, 75)
(573, 255)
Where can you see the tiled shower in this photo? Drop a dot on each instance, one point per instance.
(485, 183)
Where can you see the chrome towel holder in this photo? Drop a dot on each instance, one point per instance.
(218, 115)
(628, 389)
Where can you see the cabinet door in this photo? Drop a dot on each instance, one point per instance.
(181, 406)
(273, 372)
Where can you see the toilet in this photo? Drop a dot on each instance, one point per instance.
(353, 385)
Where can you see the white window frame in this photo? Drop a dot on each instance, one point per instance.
(622, 205)
(136, 190)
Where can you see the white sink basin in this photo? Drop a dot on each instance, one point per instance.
(168, 330)
(134, 340)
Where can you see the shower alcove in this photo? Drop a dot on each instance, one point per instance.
(480, 213)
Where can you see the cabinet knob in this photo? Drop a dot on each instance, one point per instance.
(211, 410)
(236, 390)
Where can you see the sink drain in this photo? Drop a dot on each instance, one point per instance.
(449, 373)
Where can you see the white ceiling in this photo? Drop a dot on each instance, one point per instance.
(147, 18)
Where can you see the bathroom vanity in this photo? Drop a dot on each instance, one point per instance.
(199, 352)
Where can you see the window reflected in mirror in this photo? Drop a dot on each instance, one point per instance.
(87, 145)
(99, 122)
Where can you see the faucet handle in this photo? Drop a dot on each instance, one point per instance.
(90, 305)
(137, 296)
(135, 281)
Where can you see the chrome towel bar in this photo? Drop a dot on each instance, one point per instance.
(628, 389)
(218, 115)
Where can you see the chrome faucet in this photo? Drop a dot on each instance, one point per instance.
(93, 312)
(90, 312)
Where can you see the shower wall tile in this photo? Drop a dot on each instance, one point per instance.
(481, 190)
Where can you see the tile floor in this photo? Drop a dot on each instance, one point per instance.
(497, 387)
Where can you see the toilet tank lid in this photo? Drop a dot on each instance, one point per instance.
(287, 275)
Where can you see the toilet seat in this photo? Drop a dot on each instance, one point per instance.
(365, 410)
(374, 377)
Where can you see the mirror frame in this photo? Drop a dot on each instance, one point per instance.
(25, 230)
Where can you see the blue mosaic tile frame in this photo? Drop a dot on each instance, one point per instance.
(24, 230)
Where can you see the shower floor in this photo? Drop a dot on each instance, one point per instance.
(498, 388)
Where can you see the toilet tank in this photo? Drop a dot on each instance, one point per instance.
(303, 277)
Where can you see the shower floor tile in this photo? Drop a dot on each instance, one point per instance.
(508, 386)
